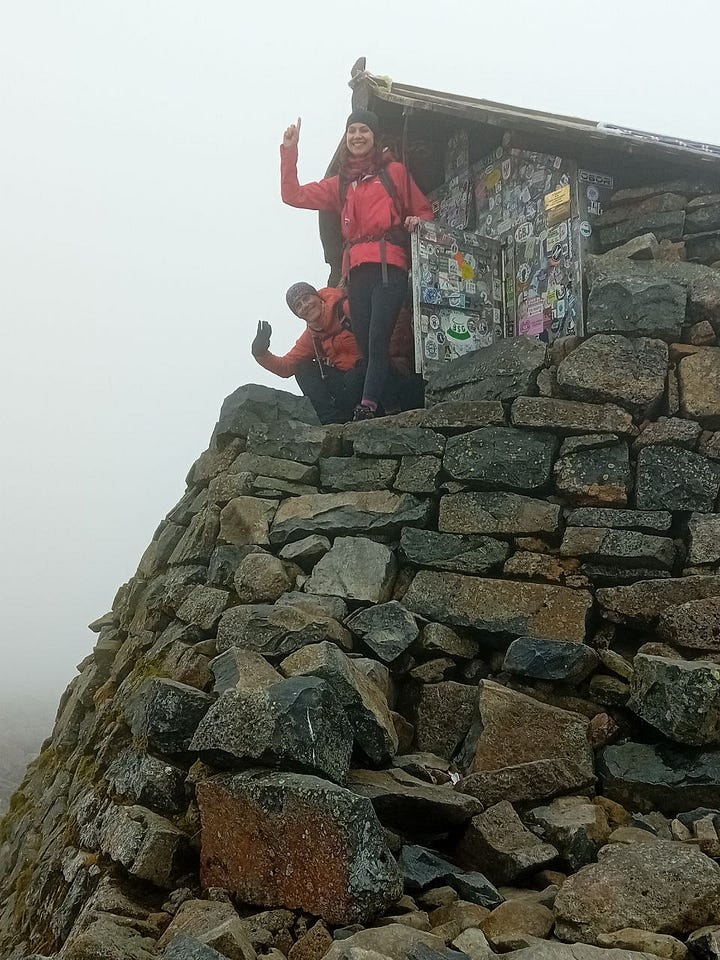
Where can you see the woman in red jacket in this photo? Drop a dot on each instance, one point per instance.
(379, 203)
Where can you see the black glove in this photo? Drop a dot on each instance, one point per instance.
(261, 343)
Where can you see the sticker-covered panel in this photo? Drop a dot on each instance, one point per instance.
(457, 293)
(528, 201)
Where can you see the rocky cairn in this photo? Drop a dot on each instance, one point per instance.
(436, 687)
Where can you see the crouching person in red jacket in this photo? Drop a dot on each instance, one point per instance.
(326, 360)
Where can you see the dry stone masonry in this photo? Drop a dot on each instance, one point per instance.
(436, 687)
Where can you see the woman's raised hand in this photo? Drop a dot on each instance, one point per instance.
(292, 134)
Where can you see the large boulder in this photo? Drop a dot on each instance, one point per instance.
(594, 470)
(497, 843)
(166, 714)
(504, 370)
(575, 825)
(525, 750)
(253, 405)
(503, 607)
(387, 628)
(670, 478)
(695, 624)
(447, 551)
(651, 308)
(293, 440)
(570, 416)
(497, 514)
(615, 369)
(642, 603)
(277, 630)
(699, 380)
(660, 776)
(502, 457)
(550, 660)
(355, 568)
(679, 698)
(664, 887)
(296, 724)
(405, 803)
(443, 715)
(278, 839)
(361, 699)
(382, 512)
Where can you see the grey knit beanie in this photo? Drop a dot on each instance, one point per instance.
(296, 292)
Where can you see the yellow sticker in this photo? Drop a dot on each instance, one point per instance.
(557, 205)
(492, 178)
(467, 272)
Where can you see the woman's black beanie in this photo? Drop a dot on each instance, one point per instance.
(367, 117)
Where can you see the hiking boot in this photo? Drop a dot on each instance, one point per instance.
(362, 412)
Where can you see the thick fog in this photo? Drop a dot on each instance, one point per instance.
(142, 234)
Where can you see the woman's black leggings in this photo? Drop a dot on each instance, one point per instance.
(373, 310)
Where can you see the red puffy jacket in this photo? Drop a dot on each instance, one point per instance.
(368, 210)
(337, 344)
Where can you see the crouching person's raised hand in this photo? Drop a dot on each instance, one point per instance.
(261, 343)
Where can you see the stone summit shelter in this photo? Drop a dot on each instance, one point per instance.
(444, 685)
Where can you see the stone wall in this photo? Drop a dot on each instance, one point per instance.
(469, 653)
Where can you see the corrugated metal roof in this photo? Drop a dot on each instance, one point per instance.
(611, 136)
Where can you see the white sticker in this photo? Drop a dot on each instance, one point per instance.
(585, 229)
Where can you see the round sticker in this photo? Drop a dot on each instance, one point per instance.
(585, 229)
(593, 193)
(434, 322)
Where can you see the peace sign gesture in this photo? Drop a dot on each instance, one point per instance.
(292, 134)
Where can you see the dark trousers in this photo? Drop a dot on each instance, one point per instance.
(332, 392)
(374, 307)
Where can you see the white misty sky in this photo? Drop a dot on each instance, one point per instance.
(142, 234)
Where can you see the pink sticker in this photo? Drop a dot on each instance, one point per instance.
(531, 325)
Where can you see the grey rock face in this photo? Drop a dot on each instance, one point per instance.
(647, 521)
(704, 532)
(679, 698)
(262, 578)
(666, 225)
(405, 803)
(203, 607)
(387, 628)
(443, 716)
(337, 864)
(252, 405)
(570, 416)
(297, 723)
(503, 457)
(643, 602)
(575, 826)
(139, 778)
(292, 440)
(347, 513)
(550, 660)
(445, 551)
(361, 698)
(242, 669)
(146, 844)
(356, 569)
(526, 750)
(306, 553)
(190, 948)
(652, 308)
(615, 369)
(699, 381)
(422, 868)
(167, 714)
(276, 630)
(382, 441)
(669, 431)
(596, 474)
(627, 548)
(418, 474)
(669, 478)
(695, 624)
(663, 886)
(663, 776)
(246, 520)
(497, 513)
(357, 473)
(500, 606)
(504, 370)
(274, 468)
(497, 843)
(104, 938)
